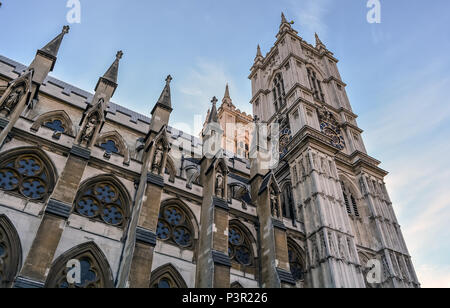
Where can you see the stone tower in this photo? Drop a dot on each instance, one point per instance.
(336, 190)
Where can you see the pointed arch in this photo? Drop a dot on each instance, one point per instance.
(104, 198)
(351, 195)
(27, 172)
(241, 245)
(117, 142)
(170, 169)
(177, 224)
(316, 80)
(297, 260)
(17, 90)
(167, 276)
(65, 123)
(287, 201)
(236, 285)
(10, 252)
(95, 269)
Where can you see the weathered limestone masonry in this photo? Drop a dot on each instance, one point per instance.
(141, 204)
(59, 206)
(213, 265)
(275, 269)
(149, 193)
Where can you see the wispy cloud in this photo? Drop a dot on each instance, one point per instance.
(311, 14)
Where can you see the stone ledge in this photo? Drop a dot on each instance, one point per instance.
(285, 276)
(220, 203)
(221, 258)
(80, 152)
(155, 180)
(25, 283)
(278, 224)
(145, 236)
(58, 208)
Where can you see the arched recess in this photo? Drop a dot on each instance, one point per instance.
(166, 277)
(95, 269)
(287, 201)
(27, 172)
(105, 199)
(351, 195)
(221, 170)
(57, 120)
(10, 252)
(17, 90)
(241, 245)
(297, 262)
(316, 80)
(236, 285)
(170, 169)
(177, 224)
(113, 142)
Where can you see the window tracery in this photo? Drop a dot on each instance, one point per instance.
(174, 226)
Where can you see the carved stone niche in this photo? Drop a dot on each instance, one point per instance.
(159, 151)
(220, 179)
(274, 196)
(14, 94)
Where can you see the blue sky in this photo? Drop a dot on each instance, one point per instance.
(397, 74)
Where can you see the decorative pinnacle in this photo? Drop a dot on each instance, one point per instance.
(65, 29)
(168, 79)
(119, 55)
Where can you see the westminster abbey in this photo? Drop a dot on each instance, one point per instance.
(135, 203)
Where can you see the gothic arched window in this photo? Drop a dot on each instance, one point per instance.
(167, 277)
(26, 174)
(175, 226)
(278, 92)
(94, 269)
(350, 201)
(10, 252)
(239, 247)
(296, 263)
(316, 85)
(103, 200)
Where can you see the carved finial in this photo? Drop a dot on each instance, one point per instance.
(283, 18)
(214, 100)
(168, 79)
(119, 55)
(65, 29)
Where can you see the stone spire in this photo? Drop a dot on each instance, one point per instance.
(213, 114)
(285, 26)
(319, 43)
(52, 48)
(165, 98)
(111, 73)
(226, 98)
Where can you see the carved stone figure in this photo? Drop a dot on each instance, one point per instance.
(158, 159)
(13, 99)
(274, 206)
(89, 130)
(219, 185)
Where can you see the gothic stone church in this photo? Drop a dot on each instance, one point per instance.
(139, 205)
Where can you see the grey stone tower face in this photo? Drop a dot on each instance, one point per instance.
(338, 195)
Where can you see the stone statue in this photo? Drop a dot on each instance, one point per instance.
(274, 204)
(219, 185)
(89, 130)
(13, 99)
(158, 159)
